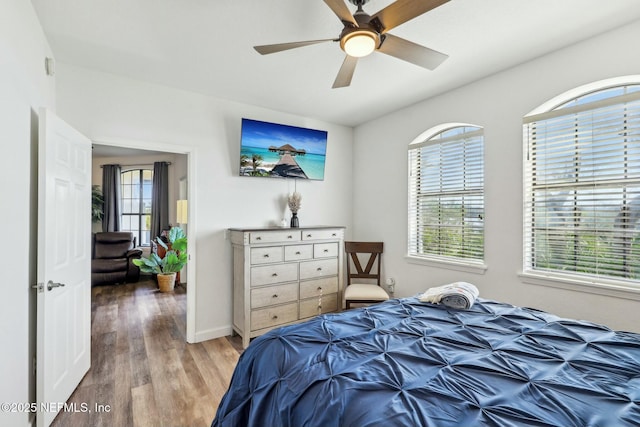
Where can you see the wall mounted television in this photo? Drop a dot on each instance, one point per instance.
(282, 151)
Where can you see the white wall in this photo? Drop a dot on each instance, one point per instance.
(107, 107)
(498, 104)
(23, 88)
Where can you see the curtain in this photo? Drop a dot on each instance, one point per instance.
(111, 193)
(160, 198)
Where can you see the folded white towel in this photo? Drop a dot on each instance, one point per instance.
(461, 295)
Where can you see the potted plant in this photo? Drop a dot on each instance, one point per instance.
(172, 262)
(97, 204)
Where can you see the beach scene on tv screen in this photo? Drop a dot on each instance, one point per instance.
(282, 151)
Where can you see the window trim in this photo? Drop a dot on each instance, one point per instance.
(601, 285)
(429, 137)
(141, 170)
(607, 287)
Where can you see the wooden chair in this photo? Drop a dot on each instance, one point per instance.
(359, 287)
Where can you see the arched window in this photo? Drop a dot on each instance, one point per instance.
(446, 194)
(582, 185)
(137, 185)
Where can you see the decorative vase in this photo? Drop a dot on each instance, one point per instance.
(294, 220)
(166, 282)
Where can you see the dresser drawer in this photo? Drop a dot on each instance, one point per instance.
(266, 255)
(273, 316)
(298, 252)
(314, 306)
(271, 295)
(319, 268)
(321, 234)
(274, 236)
(273, 273)
(312, 288)
(325, 250)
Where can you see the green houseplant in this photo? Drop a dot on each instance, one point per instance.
(172, 262)
(97, 204)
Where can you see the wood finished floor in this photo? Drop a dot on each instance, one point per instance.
(142, 367)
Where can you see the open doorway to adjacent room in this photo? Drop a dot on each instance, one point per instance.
(136, 161)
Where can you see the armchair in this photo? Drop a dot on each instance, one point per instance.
(112, 258)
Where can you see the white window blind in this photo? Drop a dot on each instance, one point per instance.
(446, 195)
(582, 186)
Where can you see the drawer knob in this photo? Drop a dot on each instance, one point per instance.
(258, 238)
(266, 255)
(308, 235)
(319, 288)
(298, 253)
(289, 236)
(326, 250)
(275, 296)
(275, 316)
(333, 234)
(319, 269)
(274, 275)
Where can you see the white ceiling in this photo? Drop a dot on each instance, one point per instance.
(205, 46)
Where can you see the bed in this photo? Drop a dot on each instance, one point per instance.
(407, 363)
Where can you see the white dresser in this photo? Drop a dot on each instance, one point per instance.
(284, 275)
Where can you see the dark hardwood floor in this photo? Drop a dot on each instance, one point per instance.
(143, 373)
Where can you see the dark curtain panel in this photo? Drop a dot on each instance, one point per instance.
(111, 192)
(160, 199)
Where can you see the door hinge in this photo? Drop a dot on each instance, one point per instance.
(39, 287)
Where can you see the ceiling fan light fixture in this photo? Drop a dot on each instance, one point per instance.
(359, 43)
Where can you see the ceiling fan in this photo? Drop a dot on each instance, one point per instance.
(362, 34)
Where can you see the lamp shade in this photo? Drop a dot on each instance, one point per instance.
(181, 212)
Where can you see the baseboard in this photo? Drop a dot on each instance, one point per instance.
(211, 334)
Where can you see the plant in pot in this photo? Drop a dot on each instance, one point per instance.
(172, 262)
(97, 204)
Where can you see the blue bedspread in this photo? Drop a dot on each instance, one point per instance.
(406, 363)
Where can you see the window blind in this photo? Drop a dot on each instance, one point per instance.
(582, 188)
(446, 195)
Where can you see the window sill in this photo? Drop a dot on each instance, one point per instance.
(612, 288)
(467, 267)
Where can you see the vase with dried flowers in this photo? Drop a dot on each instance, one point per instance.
(295, 200)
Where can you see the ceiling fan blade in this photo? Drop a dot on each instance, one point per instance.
(404, 10)
(343, 79)
(273, 48)
(411, 52)
(342, 11)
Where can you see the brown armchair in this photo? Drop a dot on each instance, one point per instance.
(112, 258)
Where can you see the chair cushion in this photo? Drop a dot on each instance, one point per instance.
(363, 291)
(114, 237)
(109, 265)
(112, 244)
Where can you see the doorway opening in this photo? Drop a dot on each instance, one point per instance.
(132, 155)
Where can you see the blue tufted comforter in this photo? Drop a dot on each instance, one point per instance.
(407, 363)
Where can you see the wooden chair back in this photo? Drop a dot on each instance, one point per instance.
(355, 270)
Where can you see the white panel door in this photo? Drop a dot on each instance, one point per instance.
(63, 348)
